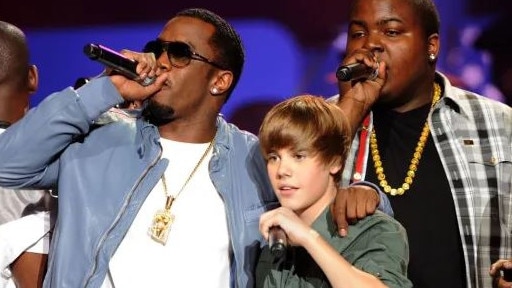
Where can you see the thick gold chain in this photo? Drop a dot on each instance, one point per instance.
(413, 166)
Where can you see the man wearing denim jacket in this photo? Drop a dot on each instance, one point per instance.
(110, 175)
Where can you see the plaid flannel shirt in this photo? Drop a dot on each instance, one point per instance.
(473, 136)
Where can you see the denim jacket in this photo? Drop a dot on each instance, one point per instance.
(104, 174)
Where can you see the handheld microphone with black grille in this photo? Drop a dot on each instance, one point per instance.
(110, 58)
(356, 71)
(277, 241)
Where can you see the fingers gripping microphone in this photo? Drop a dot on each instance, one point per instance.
(122, 65)
(277, 241)
(356, 71)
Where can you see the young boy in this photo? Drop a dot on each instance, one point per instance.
(305, 141)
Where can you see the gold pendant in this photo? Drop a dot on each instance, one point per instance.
(161, 226)
(162, 221)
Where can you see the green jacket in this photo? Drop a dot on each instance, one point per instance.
(377, 245)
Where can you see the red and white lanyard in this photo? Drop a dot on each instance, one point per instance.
(362, 153)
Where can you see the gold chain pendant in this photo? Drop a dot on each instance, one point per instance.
(413, 166)
(162, 222)
(163, 219)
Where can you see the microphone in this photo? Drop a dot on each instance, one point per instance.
(507, 275)
(119, 63)
(277, 241)
(356, 71)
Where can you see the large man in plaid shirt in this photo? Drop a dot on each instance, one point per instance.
(443, 154)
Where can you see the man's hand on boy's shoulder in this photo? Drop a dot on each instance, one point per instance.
(352, 204)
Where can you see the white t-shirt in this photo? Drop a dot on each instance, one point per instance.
(197, 251)
(19, 234)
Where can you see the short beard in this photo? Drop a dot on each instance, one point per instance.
(157, 114)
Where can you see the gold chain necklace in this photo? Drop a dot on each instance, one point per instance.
(163, 219)
(413, 167)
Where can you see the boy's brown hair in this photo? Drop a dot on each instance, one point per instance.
(307, 123)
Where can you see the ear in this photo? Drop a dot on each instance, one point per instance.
(33, 79)
(221, 82)
(335, 166)
(433, 45)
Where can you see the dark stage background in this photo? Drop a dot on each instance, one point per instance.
(314, 22)
(298, 15)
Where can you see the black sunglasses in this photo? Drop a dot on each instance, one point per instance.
(179, 53)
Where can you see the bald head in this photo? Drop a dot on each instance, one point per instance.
(14, 58)
(18, 79)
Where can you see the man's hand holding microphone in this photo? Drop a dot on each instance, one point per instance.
(135, 75)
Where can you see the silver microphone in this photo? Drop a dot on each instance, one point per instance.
(277, 241)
